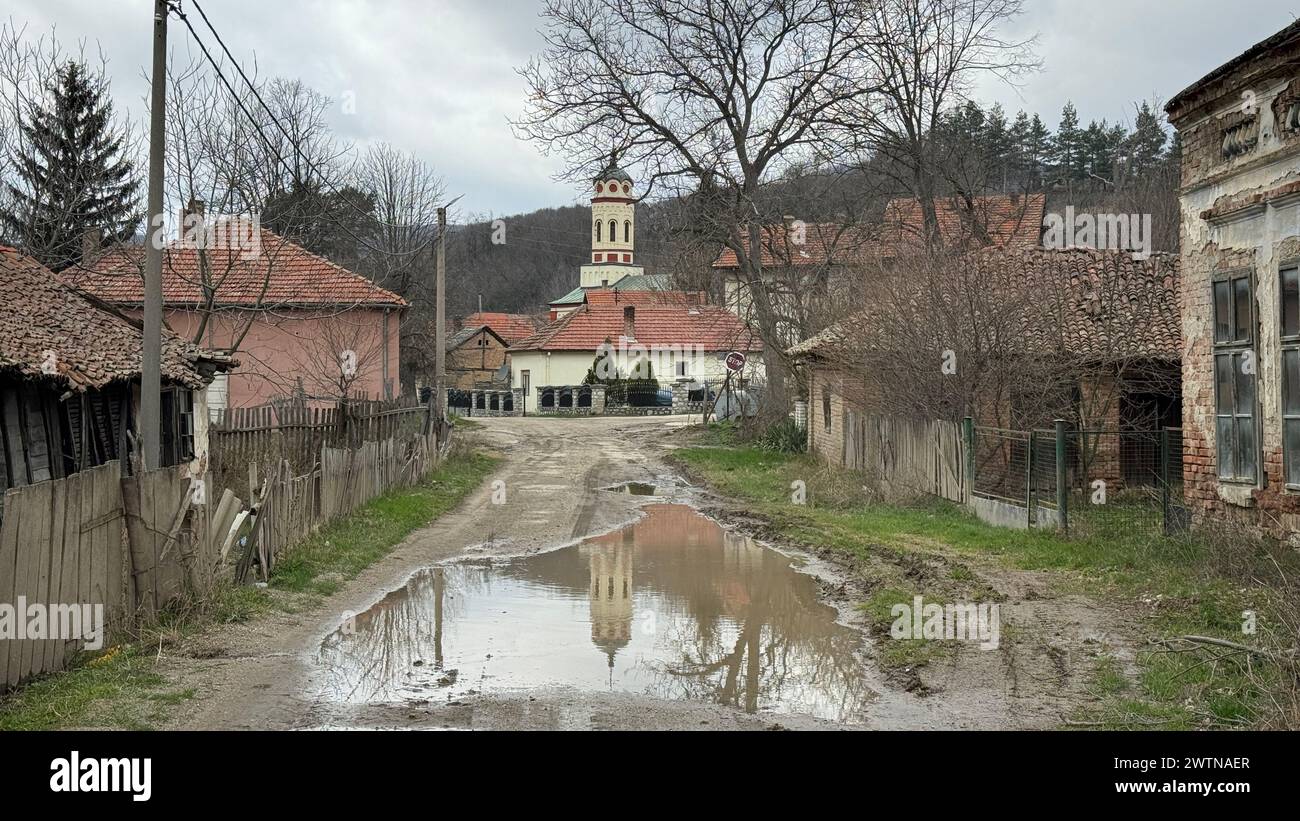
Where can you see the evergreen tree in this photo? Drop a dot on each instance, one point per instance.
(1067, 154)
(997, 148)
(1038, 152)
(1018, 151)
(1102, 144)
(72, 175)
(1146, 145)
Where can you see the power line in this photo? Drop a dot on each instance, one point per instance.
(325, 181)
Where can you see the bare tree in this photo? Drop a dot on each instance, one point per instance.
(927, 58)
(713, 100)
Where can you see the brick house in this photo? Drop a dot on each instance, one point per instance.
(810, 267)
(1108, 322)
(70, 380)
(476, 357)
(1240, 239)
(302, 327)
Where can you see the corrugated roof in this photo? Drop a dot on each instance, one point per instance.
(273, 271)
(92, 347)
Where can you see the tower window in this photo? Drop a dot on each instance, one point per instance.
(627, 231)
(599, 226)
(613, 231)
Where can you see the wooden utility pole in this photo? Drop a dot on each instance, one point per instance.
(151, 354)
(440, 323)
(440, 326)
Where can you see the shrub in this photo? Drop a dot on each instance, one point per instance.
(784, 437)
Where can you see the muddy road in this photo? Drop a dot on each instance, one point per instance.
(579, 588)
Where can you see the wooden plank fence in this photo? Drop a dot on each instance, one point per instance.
(292, 507)
(248, 444)
(62, 543)
(907, 455)
(136, 544)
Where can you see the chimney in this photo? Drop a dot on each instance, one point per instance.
(191, 233)
(629, 322)
(92, 239)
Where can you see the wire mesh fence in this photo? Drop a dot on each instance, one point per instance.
(1086, 482)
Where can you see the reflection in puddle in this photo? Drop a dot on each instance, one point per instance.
(672, 606)
(634, 489)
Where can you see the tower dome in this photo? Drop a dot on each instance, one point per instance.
(613, 228)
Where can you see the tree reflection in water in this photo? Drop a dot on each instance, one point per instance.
(671, 606)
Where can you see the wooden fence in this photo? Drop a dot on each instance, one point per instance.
(135, 544)
(291, 507)
(61, 543)
(248, 444)
(907, 455)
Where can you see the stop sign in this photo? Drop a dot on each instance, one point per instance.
(735, 361)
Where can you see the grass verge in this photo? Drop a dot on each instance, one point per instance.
(120, 688)
(1198, 585)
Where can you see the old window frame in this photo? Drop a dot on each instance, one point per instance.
(1290, 393)
(177, 420)
(1233, 342)
(826, 407)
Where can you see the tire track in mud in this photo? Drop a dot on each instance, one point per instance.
(590, 498)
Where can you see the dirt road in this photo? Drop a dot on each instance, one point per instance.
(551, 490)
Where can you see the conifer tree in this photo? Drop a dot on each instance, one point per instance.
(72, 175)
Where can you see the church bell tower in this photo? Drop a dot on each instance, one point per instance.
(613, 229)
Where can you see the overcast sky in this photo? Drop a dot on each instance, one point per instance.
(437, 76)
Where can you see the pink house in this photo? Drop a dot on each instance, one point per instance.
(300, 326)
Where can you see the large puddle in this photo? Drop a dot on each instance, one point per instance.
(672, 606)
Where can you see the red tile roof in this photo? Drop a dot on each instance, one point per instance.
(1001, 220)
(818, 244)
(92, 347)
(276, 272)
(655, 323)
(510, 327)
(1091, 304)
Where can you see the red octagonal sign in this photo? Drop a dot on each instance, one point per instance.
(735, 361)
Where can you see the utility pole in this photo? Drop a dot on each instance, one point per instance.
(151, 353)
(440, 323)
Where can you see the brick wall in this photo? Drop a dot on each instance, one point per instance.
(827, 442)
(1240, 172)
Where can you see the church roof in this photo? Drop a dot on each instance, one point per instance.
(657, 322)
(634, 282)
(613, 172)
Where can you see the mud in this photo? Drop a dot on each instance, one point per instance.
(489, 619)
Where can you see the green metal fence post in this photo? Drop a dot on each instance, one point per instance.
(1062, 494)
(1164, 481)
(968, 433)
(1029, 481)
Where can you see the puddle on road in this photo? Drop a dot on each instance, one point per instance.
(634, 489)
(672, 606)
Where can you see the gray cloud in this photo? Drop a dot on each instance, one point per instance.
(437, 78)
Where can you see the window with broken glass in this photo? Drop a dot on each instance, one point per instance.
(1236, 423)
(1290, 330)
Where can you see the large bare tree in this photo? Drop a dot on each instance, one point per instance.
(927, 58)
(712, 99)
